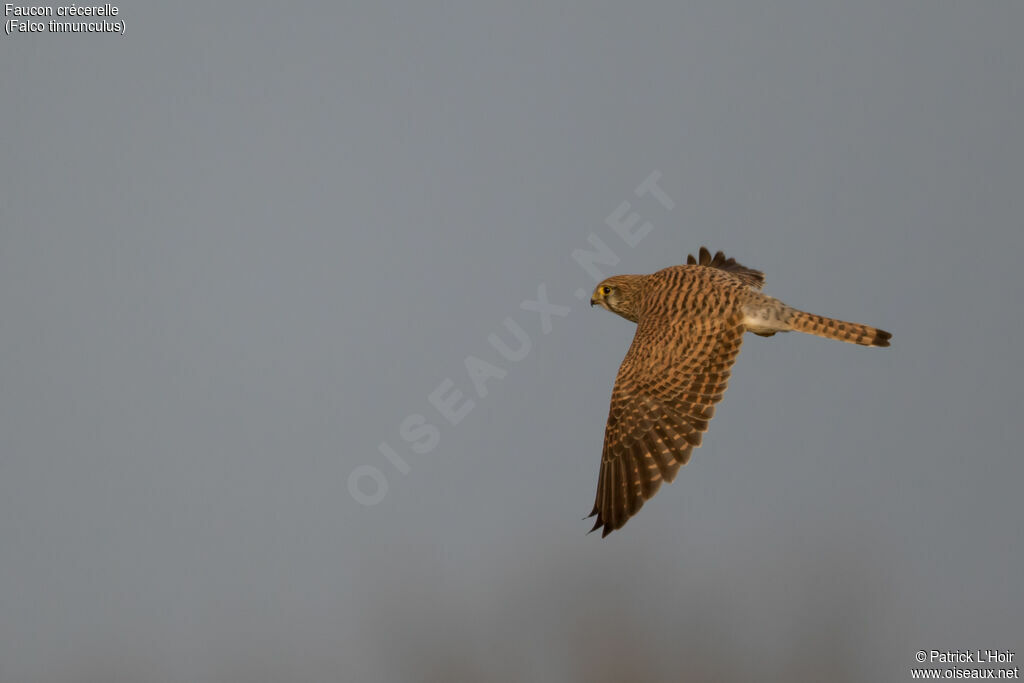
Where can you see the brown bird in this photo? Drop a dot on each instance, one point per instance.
(690, 323)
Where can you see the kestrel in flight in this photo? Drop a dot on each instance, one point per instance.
(690, 322)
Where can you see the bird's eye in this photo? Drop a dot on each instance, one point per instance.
(606, 290)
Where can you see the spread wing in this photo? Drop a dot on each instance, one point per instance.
(671, 378)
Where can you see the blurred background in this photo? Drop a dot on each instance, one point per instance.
(242, 245)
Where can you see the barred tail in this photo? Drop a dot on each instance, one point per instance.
(855, 333)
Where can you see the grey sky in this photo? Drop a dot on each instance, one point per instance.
(239, 245)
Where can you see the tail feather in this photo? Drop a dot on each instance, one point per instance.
(855, 333)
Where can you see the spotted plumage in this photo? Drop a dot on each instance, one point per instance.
(690, 324)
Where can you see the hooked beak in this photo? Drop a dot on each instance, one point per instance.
(593, 302)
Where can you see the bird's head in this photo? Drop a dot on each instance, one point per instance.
(619, 294)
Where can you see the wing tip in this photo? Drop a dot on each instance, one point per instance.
(600, 522)
(752, 278)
